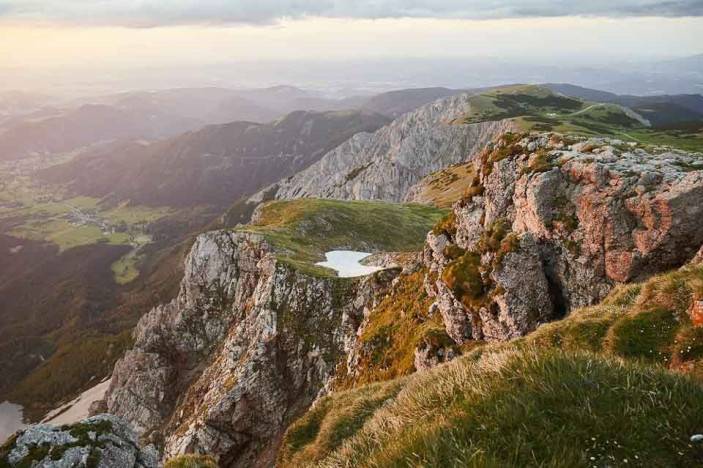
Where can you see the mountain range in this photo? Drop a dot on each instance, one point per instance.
(507, 223)
(211, 166)
(72, 125)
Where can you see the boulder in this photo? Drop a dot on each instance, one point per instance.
(102, 441)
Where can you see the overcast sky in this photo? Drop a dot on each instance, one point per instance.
(101, 34)
(169, 12)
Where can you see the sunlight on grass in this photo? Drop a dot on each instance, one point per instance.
(302, 230)
(599, 383)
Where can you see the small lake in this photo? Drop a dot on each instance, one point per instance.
(346, 263)
(10, 420)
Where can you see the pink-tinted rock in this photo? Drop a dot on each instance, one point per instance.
(596, 215)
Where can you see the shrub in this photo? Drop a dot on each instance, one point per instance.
(447, 225)
(538, 163)
(463, 277)
(492, 237)
(510, 243)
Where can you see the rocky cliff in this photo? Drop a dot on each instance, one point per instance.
(385, 164)
(551, 224)
(547, 224)
(246, 346)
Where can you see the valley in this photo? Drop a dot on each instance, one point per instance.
(32, 210)
(340, 234)
(92, 243)
(334, 269)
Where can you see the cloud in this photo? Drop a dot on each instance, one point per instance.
(174, 12)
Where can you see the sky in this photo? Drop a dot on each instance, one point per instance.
(123, 34)
(145, 13)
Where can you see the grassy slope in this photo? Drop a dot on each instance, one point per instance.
(303, 230)
(537, 108)
(398, 325)
(509, 409)
(445, 187)
(596, 384)
(191, 461)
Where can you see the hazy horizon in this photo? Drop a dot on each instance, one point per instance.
(336, 78)
(74, 48)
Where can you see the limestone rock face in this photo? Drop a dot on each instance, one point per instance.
(248, 345)
(551, 225)
(102, 441)
(221, 272)
(521, 295)
(384, 165)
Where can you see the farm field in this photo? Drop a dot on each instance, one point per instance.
(37, 211)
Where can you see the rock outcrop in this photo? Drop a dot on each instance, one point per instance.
(550, 225)
(247, 346)
(103, 441)
(251, 340)
(384, 165)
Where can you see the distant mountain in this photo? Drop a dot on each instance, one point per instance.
(396, 103)
(149, 115)
(661, 111)
(154, 115)
(85, 125)
(237, 108)
(20, 102)
(693, 63)
(211, 166)
(384, 165)
(582, 93)
(391, 104)
(222, 105)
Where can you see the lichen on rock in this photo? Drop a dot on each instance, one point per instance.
(102, 441)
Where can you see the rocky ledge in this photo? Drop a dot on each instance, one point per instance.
(550, 224)
(102, 441)
(247, 346)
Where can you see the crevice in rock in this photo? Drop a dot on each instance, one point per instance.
(555, 287)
